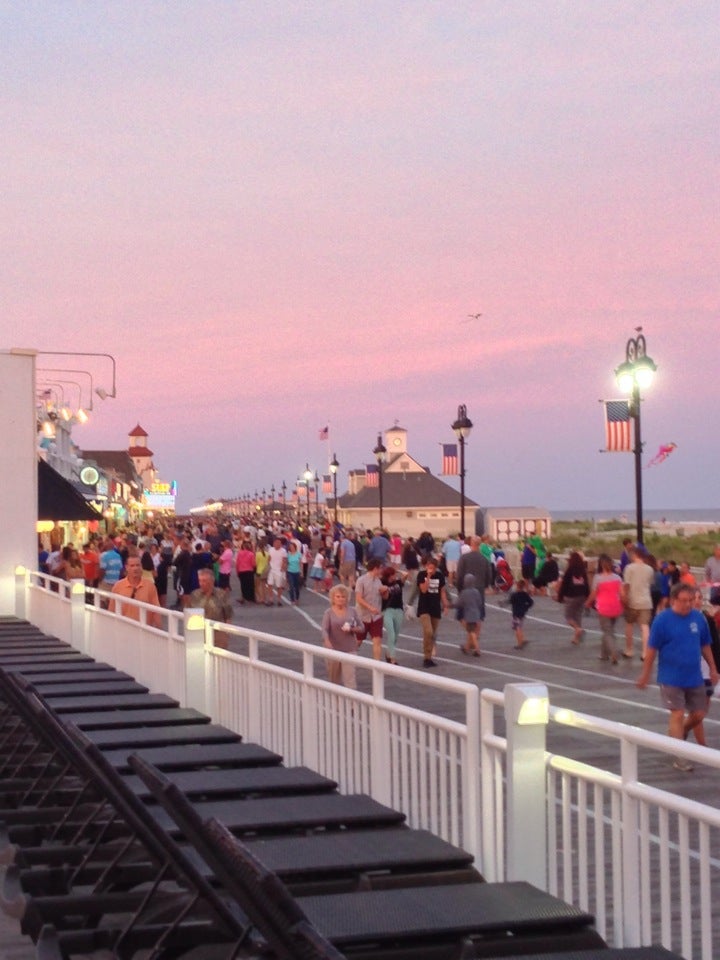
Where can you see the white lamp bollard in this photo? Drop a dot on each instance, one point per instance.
(78, 637)
(194, 633)
(20, 592)
(526, 719)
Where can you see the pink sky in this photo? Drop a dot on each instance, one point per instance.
(276, 216)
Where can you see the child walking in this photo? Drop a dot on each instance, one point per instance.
(520, 603)
(471, 612)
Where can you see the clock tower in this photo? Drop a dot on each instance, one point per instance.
(396, 440)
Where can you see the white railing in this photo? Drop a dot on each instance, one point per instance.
(644, 861)
(368, 740)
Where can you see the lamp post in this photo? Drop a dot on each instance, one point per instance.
(462, 428)
(380, 451)
(307, 476)
(637, 371)
(334, 466)
(316, 481)
(272, 498)
(284, 490)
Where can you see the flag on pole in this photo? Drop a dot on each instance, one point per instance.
(617, 426)
(327, 483)
(372, 475)
(323, 433)
(450, 460)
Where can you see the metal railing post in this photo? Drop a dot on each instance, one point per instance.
(194, 633)
(526, 718)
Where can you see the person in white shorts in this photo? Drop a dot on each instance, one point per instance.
(278, 566)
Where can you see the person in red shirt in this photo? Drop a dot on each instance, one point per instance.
(90, 560)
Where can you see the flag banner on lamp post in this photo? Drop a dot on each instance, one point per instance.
(327, 483)
(617, 426)
(372, 475)
(323, 433)
(450, 460)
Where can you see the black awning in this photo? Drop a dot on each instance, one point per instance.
(59, 500)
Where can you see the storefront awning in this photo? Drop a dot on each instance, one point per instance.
(58, 499)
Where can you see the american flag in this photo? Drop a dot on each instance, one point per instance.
(327, 483)
(450, 460)
(372, 475)
(617, 426)
(323, 433)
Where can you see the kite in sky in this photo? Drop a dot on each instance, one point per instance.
(663, 453)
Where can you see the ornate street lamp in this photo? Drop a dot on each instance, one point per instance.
(284, 490)
(462, 428)
(380, 451)
(635, 373)
(272, 498)
(307, 476)
(316, 481)
(334, 467)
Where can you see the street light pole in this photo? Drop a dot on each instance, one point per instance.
(380, 452)
(284, 490)
(316, 481)
(308, 479)
(637, 371)
(462, 428)
(334, 466)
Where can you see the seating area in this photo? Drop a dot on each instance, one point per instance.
(136, 826)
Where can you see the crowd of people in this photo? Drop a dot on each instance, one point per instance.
(374, 580)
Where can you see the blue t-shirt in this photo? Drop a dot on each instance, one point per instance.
(294, 560)
(111, 565)
(678, 641)
(451, 550)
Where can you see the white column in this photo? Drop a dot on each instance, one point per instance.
(19, 501)
(77, 615)
(194, 633)
(526, 718)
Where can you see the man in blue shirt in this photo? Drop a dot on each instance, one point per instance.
(379, 548)
(679, 638)
(451, 551)
(111, 566)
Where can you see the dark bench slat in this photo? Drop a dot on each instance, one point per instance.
(351, 851)
(123, 701)
(91, 687)
(290, 813)
(81, 664)
(238, 782)
(458, 910)
(109, 719)
(197, 756)
(45, 681)
(134, 738)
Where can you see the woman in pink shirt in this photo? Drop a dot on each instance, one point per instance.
(225, 565)
(245, 568)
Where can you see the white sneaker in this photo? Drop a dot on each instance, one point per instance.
(680, 764)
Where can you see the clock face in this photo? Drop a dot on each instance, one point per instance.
(89, 476)
(397, 442)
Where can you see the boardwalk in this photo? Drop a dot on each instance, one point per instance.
(574, 676)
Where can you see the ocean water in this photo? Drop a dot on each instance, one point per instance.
(672, 515)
